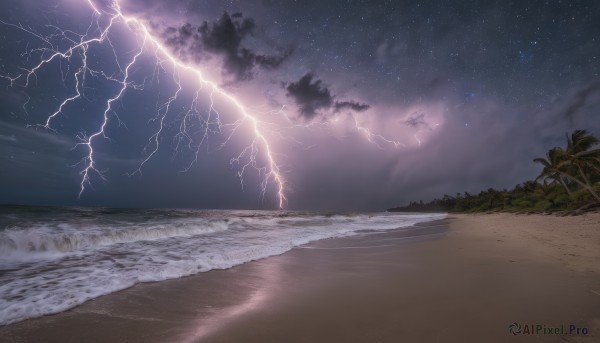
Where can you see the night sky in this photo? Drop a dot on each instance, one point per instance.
(365, 104)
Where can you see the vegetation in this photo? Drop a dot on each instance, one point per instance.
(569, 183)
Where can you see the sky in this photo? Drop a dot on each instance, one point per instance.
(312, 105)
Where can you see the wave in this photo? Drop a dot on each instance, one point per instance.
(49, 268)
(40, 240)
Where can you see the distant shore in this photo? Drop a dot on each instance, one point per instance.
(465, 278)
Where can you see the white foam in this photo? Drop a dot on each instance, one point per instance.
(73, 264)
(47, 241)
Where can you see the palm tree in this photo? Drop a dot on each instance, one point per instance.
(580, 141)
(578, 158)
(580, 155)
(551, 165)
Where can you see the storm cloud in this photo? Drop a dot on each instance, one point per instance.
(351, 105)
(309, 95)
(445, 97)
(312, 96)
(223, 38)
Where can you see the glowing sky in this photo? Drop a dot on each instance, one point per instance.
(364, 105)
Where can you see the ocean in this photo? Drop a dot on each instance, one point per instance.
(53, 259)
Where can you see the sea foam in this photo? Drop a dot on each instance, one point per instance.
(56, 260)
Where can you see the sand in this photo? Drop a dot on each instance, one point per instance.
(463, 279)
(573, 242)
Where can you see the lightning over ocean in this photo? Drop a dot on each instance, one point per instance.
(298, 170)
(269, 106)
(99, 33)
(71, 50)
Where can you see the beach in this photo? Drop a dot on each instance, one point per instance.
(463, 278)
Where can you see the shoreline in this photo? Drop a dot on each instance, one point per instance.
(464, 278)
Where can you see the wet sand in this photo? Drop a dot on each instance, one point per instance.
(466, 278)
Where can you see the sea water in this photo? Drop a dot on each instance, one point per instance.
(52, 259)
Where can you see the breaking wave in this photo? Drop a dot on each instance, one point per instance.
(53, 259)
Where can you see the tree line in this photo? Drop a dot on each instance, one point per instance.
(569, 182)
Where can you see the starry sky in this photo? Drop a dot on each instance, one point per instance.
(365, 104)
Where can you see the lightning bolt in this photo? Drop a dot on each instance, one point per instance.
(88, 161)
(105, 18)
(79, 76)
(272, 169)
(375, 138)
(260, 143)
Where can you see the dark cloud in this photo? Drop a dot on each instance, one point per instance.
(351, 105)
(272, 61)
(183, 39)
(224, 38)
(311, 95)
(415, 120)
(581, 98)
